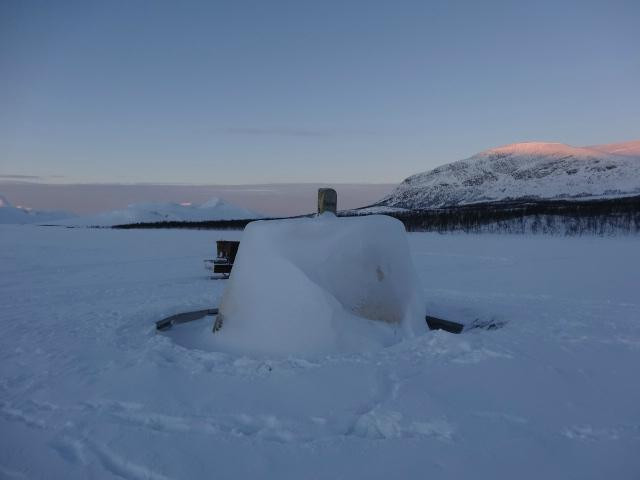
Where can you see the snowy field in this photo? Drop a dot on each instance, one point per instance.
(88, 389)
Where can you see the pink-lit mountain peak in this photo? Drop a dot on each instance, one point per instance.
(541, 149)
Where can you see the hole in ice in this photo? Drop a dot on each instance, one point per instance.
(363, 336)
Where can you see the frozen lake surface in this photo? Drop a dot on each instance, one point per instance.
(88, 389)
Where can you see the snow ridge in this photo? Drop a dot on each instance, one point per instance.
(530, 170)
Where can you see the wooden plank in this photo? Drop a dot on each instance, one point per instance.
(435, 323)
(167, 323)
(222, 267)
(227, 250)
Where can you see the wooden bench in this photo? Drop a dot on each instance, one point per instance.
(226, 255)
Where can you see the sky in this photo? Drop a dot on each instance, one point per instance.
(276, 200)
(242, 92)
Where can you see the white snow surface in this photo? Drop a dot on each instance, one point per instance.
(89, 389)
(320, 285)
(531, 170)
(213, 209)
(10, 214)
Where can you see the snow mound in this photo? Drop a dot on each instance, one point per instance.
(531, 170)
(10, 214)
(320, 285)
(214, 209)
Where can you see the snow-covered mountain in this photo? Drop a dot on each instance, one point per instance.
(213, 209)
(627, 149)
(531, 170)
(20, 215)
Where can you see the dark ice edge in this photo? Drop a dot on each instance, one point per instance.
(167, 323)
(434, 323)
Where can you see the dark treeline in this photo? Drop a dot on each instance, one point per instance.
(208, 225)
(559, 217)
(205, 225)
(594, 217)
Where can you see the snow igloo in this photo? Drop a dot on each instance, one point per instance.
(320, 285)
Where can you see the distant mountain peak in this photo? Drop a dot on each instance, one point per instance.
(213, 202)
(540, 148)
(4, 203)
(23, 215)
(631, 149)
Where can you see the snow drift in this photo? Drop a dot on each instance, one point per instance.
(531, 170)
(321, 285)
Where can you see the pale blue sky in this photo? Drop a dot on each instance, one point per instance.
(250, 92)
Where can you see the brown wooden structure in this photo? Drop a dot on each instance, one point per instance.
(226, 255)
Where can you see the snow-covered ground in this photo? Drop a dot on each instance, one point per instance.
(88, 389)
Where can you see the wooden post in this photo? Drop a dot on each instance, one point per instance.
(327, 201)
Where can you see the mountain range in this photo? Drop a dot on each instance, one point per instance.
(525, 171)
(213, 209)
(21, 215)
